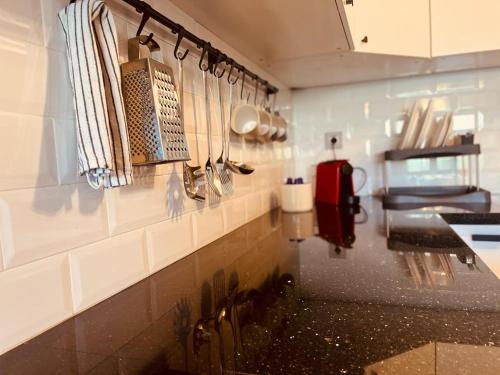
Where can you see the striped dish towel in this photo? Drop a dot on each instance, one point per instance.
(91, 45)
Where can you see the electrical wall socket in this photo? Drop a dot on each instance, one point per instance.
(328, 140)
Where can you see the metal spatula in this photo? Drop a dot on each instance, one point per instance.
(213, 178)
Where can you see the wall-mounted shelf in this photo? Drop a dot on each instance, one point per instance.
(434, 152)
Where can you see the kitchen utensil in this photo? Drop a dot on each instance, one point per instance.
(423, 138)
(153, 119)
(194, 178)
(245, 119)
(211, 173)
(224, 171)
(411, 129)
(235, 166)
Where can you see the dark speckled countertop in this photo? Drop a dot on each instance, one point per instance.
(373, 293)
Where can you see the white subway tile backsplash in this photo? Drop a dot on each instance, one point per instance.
(254, 206)
(149, 200)
(36, 223)
(66, 150)
(208, 225)
(34, 298)
(28, 143)
(52, 30)
(104, 268)
(138, 205)
(36, 82)
(21, 21)
(169, 241)
(234, 214)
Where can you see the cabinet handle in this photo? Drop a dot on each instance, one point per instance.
(365, 39)
(350, 2)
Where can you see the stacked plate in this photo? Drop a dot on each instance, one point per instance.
(424, 130)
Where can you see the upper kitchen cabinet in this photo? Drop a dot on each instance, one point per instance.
(391, 27)
(464, 26)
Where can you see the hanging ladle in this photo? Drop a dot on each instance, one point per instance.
(234, 166)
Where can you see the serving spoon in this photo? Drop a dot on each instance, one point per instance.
(211, 173)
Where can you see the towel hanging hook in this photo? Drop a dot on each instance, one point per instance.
(237, 76)
(204, 67)
(180, 34)
(220, 58)
(145, 17)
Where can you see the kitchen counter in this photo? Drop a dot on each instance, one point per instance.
(373, 292)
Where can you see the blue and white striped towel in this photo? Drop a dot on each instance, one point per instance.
(91, 43)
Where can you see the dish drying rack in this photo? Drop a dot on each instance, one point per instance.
(424, 196)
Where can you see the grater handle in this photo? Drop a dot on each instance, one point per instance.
(134, 48)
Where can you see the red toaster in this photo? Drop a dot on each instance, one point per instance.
(334, 183)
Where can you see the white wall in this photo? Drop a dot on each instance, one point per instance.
(64, 247)
(371, 116)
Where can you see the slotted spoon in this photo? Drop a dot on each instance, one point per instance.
(193, 177)
(211, 173)
(222, 168)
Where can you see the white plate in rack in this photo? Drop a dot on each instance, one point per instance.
(442, 131)
(424, 138)
(410, 131)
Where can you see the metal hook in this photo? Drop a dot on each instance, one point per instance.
(256, 89)
(232, 82)
(145, 17)
(243, 86)
(206, 46)
(180, 34)
(220, 58)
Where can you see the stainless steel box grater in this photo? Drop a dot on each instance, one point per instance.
(155, 129)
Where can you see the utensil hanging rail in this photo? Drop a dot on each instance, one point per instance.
(214, 55)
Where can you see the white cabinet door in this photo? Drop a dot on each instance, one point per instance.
(465, 26)
(392, 27)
